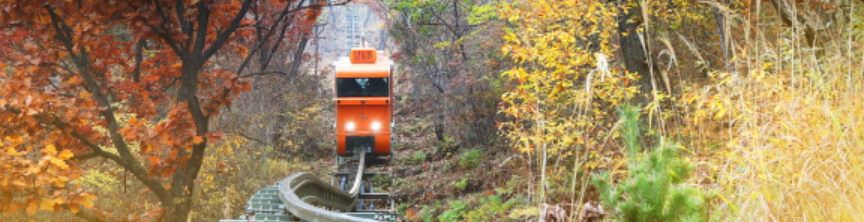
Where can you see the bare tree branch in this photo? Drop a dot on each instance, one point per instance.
(168, 40)
(203, 21)
(222, 38)
(185, 27)
(162, 32)
(248, 137)
(263, 73)
(139, 57)
(83, 214)
(86, 156)
(11, 25)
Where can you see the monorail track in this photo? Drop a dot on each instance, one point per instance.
(306, 197)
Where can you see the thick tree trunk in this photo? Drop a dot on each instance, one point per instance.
(183, 189)
(633, 51)
(439, 131)
(180, 211)
(183, 180)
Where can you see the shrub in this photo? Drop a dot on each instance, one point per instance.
(490, 209)
(470, 159)
(464, 183)
(454, 213)
(419, 157)
(654, 190)
(447, 142)
(427, 213)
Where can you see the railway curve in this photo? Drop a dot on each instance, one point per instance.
(306, 197)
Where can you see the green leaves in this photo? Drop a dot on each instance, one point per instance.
(478, 14)
(654, 189)
(455, 212)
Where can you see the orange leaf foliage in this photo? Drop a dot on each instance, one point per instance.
(85, 79)
(197, 140)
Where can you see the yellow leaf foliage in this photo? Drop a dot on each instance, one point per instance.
(563, 85)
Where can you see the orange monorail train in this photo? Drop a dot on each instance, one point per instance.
(364, 107)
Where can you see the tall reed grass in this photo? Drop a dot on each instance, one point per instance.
(783, 136)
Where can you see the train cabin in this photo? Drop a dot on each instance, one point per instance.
(364, 108)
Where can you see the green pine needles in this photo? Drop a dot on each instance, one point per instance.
(654, 190)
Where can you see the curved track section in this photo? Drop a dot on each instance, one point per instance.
(306, 197)
(300, 191)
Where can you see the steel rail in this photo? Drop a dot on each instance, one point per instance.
(300, 191)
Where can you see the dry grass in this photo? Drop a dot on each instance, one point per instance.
(790, 133)
(794, 155)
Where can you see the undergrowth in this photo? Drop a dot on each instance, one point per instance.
(488, 208)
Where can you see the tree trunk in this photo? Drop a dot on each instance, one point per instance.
(633, 51)
(439, 131)
(183, 180)
(183, 188)
(180, 212)
(298, 54)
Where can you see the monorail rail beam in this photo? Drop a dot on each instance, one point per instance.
(300, 191)
(307, 197)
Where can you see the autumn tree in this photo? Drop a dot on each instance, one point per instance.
(282, 86)
(563, 86)
(130, 82)
(447, 50)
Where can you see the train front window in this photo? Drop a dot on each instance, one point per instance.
(362, 87)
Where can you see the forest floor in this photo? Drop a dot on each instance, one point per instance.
(428, 174)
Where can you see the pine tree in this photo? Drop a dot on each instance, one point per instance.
(654, 189)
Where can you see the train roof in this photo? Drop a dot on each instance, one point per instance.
(380, 68)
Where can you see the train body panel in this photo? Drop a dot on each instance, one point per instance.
(369, 118)
(363, 103)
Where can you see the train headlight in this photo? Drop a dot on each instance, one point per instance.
(376, 126)
(349, 126)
